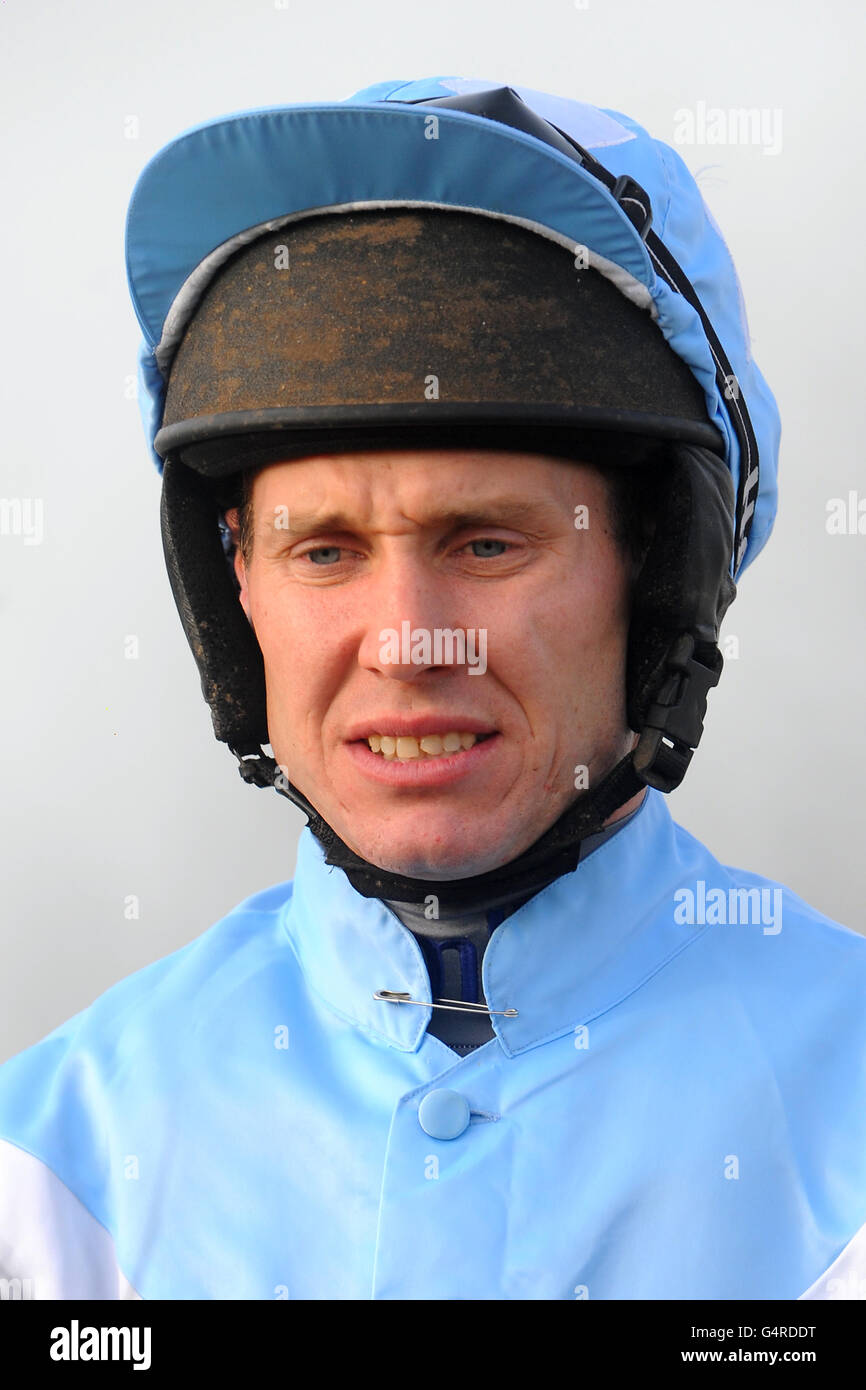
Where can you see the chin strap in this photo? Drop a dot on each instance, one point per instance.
(672, 730)
(555, 853)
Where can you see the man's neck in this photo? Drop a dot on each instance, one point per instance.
(453, 943)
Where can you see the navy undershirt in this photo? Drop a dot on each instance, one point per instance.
(453, 946)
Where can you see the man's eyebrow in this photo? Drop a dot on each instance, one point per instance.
(499, 511)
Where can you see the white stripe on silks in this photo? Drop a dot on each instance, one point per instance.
(846, 1276)
(51, 1247)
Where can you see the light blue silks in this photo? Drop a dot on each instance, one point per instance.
(676, 1112)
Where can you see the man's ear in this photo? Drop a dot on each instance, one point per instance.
(231, 518)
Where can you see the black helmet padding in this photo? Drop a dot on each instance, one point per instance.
(222, 641)
(684, 585)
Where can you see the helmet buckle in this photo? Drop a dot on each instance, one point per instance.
(675, 721)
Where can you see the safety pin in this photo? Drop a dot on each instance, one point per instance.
(393, 996)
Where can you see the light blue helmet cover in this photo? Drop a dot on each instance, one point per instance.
(248, 169)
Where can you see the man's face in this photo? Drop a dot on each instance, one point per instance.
(493, 544)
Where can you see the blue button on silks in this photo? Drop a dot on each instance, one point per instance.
(443, 1114)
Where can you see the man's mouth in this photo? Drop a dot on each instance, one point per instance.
(404, 748)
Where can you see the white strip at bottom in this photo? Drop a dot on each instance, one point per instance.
(50, 1245)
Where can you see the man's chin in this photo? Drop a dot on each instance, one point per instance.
(442, 861)
(434, 844)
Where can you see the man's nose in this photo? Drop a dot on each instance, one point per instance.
(406, 607)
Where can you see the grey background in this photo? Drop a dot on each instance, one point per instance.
(113, 782)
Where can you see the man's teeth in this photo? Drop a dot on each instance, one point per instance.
(430, 746)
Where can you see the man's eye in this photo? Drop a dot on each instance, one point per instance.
(324, 554)
(484, 553)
